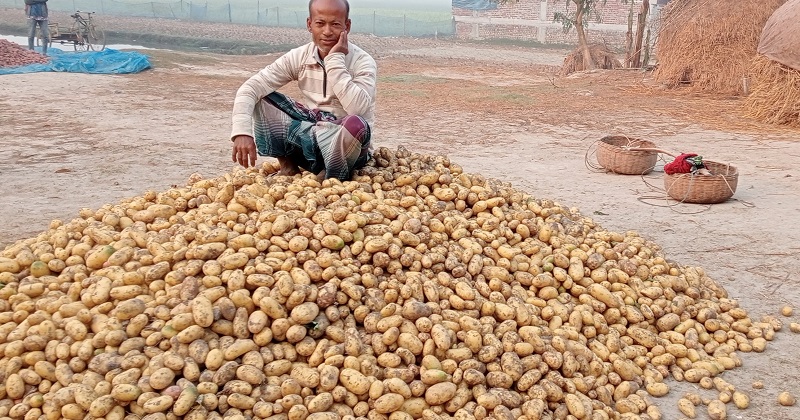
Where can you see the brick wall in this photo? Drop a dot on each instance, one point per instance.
(608, 24)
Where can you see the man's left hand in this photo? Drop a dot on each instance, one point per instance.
(341, 46)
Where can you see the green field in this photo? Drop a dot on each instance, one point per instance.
(377, 17)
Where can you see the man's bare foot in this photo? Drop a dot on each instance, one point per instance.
(321, 176)
(288, 168)
(288, 171)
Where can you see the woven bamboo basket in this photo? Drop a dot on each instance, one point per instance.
(703, 189)
(614, 155)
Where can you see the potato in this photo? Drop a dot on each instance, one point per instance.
(126, 392)
(643, 337)
(687, 408)
(242, 402)
(440, 393)
(389, 403)
(15, 386)
(280, 367)
(158, 404)
(657, 389)
(333, 242)
(304, 313)
(327, 415)
(354, 381)
(102, 405)
(238, 348)
(741, 400)
(73, 412)
(234, 261)
(250, 374)
(9, 265)
(717, 410)
(202, 311)
(208, 251)
(695, 375)
(575, 406)
(129, 309)
(98, 257)
(786, 399)
(162, 378)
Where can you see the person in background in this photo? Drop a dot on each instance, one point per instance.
(36, 11)
(329, 132)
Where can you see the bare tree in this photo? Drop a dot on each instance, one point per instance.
(580, 18)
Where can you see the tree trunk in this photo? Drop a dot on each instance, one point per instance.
(583, 44)
(629, 38)
(637, 56)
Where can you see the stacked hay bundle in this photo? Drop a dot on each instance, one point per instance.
(709, 44)
(775, 72)
(601, 56)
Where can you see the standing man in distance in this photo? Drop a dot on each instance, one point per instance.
(328, 132)
(36, 11)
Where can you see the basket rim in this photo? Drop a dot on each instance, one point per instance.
(733, 172)
(607, 142)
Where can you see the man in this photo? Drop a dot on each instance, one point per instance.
(36, 11)
(328, 133)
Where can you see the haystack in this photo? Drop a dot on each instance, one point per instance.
(708, 45)
(602, 57)
(775, 73)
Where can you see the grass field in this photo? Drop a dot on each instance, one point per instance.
(379, 18)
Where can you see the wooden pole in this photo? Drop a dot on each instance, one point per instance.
(637, 56)
(629, 37)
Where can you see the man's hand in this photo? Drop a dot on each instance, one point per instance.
(341, 46)
(244, 151)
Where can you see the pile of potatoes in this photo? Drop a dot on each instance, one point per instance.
(14, 55)
(413, 291)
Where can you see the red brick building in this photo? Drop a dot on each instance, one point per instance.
(532, 20)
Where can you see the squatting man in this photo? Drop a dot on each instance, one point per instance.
(328, 133)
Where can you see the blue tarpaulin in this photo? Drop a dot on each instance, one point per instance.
(108, 61)
(475, 4)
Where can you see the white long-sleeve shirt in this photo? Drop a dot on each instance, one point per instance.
(341, 84)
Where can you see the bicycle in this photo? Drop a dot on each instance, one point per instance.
(84, 34)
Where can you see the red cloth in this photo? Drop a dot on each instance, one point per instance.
(680, 165)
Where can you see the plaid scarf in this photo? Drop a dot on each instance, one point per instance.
(310, 139)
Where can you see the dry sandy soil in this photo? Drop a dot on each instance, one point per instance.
(69, 141)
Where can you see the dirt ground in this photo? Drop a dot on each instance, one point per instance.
(69, 141)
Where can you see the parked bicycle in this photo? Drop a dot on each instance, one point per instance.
(84, 34)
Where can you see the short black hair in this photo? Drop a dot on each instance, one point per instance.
(346, 7)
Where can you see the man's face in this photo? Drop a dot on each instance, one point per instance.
(327, 21)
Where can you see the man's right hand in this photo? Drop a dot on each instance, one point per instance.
(244, 151)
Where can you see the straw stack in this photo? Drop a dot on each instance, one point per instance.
(602, 57)
(775, 96)
(708, 45)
